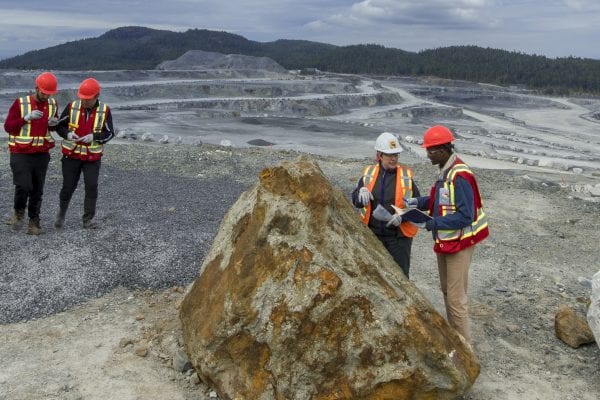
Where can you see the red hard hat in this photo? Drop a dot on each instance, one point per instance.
(88, 89)
(47, 83)
(437, 135)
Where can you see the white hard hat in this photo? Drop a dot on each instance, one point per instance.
(388, 143)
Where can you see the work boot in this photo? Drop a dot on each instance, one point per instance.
(60, 218)
(16, 220)
(89, 210)
(89, 224)
(34, 227)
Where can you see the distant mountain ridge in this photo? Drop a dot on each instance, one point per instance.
(136, 47)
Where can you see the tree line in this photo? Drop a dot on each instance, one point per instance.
(145, 48)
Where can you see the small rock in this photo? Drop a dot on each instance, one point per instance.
(585, 282)
(571, 328)
(178, 289)
(181, 362)
(141, 351)
(194, 379)
(125, 342)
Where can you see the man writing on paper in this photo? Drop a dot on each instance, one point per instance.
(458, 223)
(382, 186)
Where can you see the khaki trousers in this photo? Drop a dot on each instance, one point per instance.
(454, 279)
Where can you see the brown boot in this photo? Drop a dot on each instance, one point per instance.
(16, 220)
(34, 227)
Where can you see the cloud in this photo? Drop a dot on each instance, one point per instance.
(448, 14)
(581, 5)
(549, 27)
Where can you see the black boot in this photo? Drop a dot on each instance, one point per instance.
(89, 210)
(60, 218)
(62, 212)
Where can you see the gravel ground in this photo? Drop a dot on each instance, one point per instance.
(69, 296)
(158, 207)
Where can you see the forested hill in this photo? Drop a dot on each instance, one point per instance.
(144, 48)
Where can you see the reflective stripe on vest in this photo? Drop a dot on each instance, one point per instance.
(74, 116)
(24, 137)
(404, 189)
(480, 223)
(369, 178)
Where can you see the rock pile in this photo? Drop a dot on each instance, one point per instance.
(198, 59)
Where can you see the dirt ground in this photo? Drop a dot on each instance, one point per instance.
(121, 344)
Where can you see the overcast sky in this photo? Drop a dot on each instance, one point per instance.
(554, 28)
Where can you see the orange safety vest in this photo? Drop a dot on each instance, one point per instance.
(454, 240)
(404, 188)
(25, 138)
(87, 152)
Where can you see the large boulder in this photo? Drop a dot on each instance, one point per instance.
(297, 299)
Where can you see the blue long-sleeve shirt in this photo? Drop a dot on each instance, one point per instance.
(464, 215)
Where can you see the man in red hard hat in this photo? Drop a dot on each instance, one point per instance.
(86, 125)
(28, 124)
(382, 185)
(458, 223)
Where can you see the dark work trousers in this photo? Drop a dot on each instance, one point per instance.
(399, 247)
(71, 171)
(29, 176)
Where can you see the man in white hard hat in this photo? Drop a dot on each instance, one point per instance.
(388, 183)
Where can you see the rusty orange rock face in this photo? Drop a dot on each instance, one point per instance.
(298, 300)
